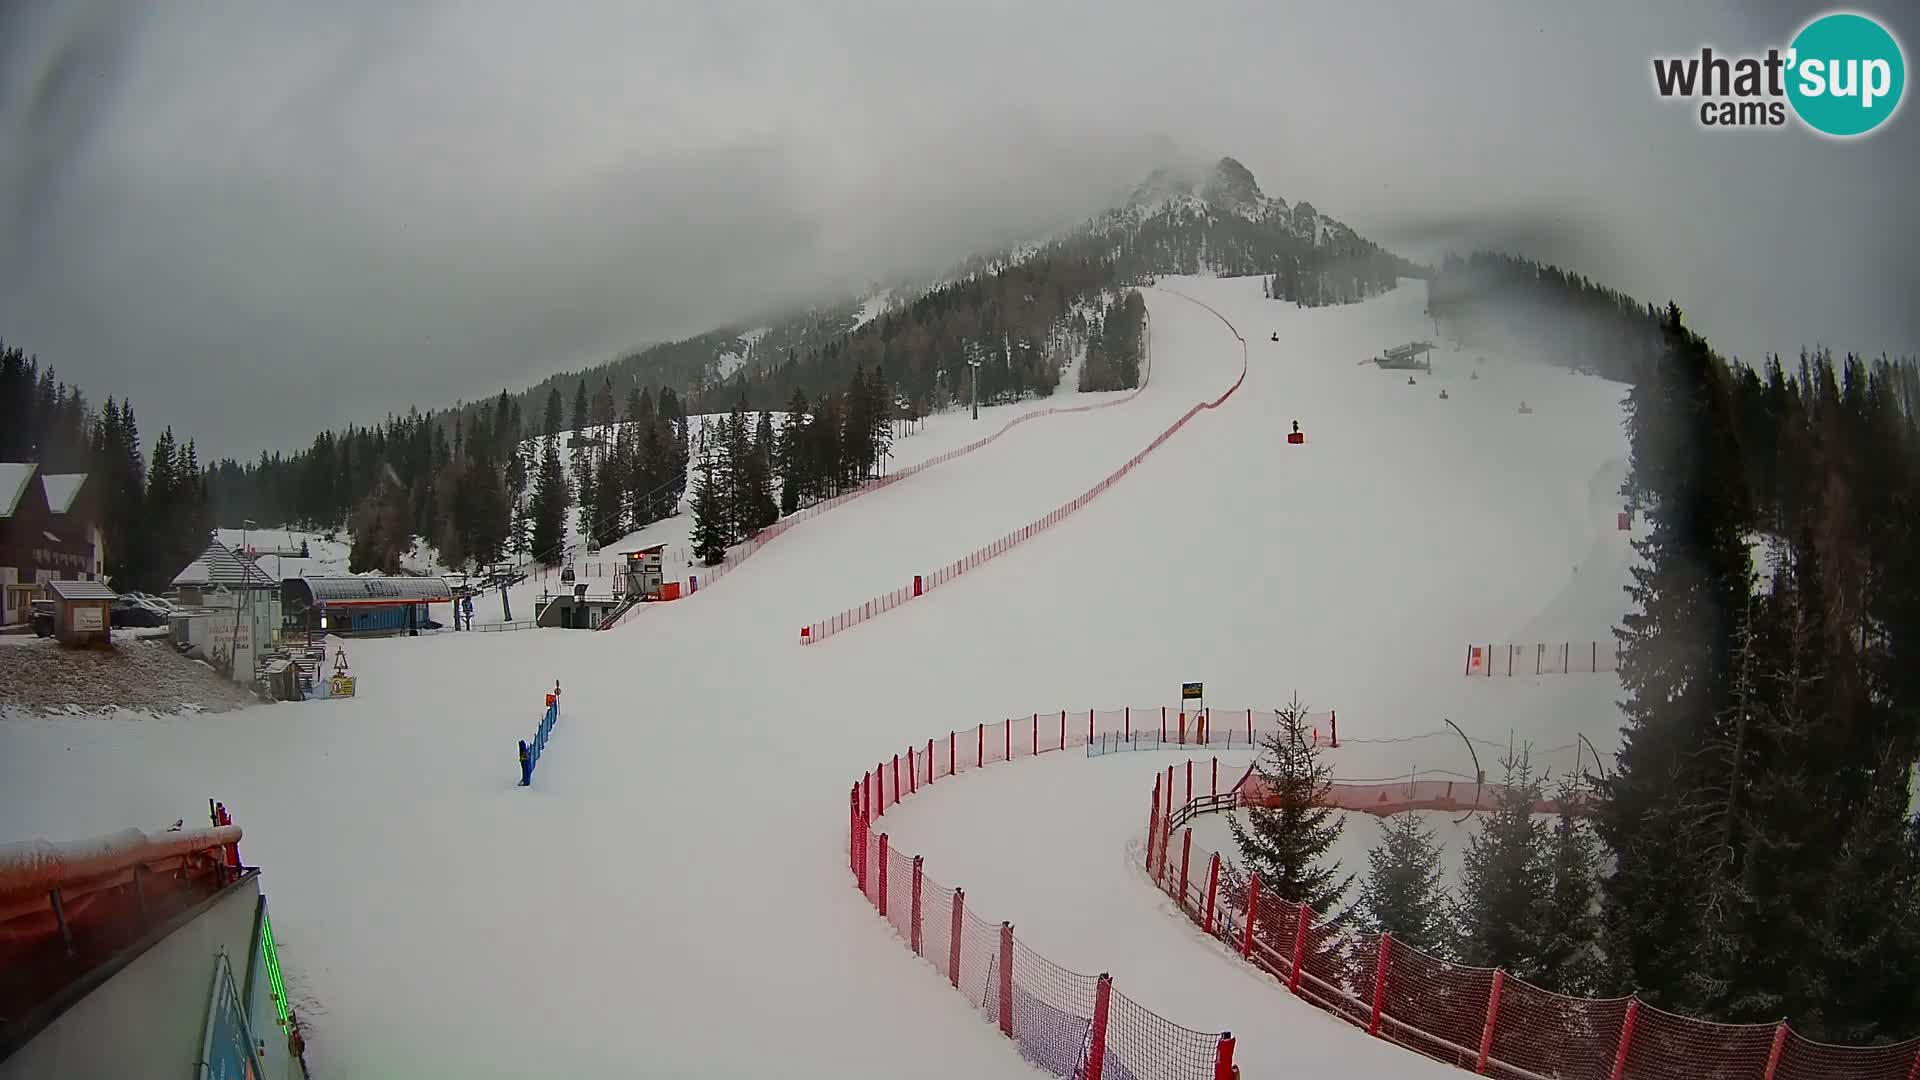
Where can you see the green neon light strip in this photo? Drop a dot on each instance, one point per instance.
(272, 954)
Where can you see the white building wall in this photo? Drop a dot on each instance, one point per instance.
(149, 1018)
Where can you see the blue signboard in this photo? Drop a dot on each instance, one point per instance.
(227, 1052)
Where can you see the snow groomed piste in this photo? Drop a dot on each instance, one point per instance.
(1065, 1022)
(1216, 559)
(741, 552)
(1483, 1020)
(924, 583)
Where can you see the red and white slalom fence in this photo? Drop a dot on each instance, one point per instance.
(1067, 1023)
(1543, 658)
(1481, 1019)
(703, 576)
(923, 583)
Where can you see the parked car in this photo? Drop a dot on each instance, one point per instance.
(43, 618)
(132, 609)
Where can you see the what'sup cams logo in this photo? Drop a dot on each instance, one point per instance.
(1842, 75)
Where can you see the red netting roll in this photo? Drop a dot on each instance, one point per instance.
(1144, 1046)
(1542, 1033)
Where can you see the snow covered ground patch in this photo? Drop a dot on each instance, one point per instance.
(1051, 844)
(671, 896)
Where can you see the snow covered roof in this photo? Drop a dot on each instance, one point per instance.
(13, 483)
(61, 489)
(218, 565)
(374, 589)
(81, 590)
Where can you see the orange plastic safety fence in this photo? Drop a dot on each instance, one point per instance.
(1666, 1046)
(1480, 1019)
(1143, 1045)
(1804, 1059)
(860, 613)
(1547, 1034)
(1434, 1006)
(1048, 1011)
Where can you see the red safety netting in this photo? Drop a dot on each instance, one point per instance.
(707, 575)
(1480, 1019)
(1053, 1016)
(859, 613)
(1142, 1045)
(1804, 1059)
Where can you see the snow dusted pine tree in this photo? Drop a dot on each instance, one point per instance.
(1402, 894)
(1570, 960)
(1505, 880)
(1286, 843)
(709, 516)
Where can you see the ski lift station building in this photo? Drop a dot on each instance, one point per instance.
(1413, 356)
(362, 605)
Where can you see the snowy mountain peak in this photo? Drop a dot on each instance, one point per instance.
(1231, 186)
(1225, 189)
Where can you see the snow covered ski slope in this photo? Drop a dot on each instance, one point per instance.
(671, 896)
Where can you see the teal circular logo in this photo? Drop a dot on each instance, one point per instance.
(1845, 74)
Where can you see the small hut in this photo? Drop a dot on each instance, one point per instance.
(82, 612)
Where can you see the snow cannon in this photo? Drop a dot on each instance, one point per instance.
(1443, 394)
(1275, 337)
(1475, 375)
(1410, 381)
(1296, 437)
(1525, 409)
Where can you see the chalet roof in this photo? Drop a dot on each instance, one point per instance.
(61, 488)
(80, 590)
(13, 484)
(218, 565)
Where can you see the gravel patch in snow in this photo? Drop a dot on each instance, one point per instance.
(38, 675)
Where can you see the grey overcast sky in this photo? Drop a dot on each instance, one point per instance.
(258, 219)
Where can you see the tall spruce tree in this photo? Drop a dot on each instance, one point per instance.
(582, 415)
(1666, 810)
(552, 497)
(609, 503)
(1505, 879)
(1570, 961)
(1403, 894)
(1286, 839)
(789, 457)
(586, 482)
(709, 536)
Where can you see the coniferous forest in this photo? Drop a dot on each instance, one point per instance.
(1755, 851)
(156, 512)
(1762, 854)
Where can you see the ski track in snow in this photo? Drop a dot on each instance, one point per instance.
(671, 896)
